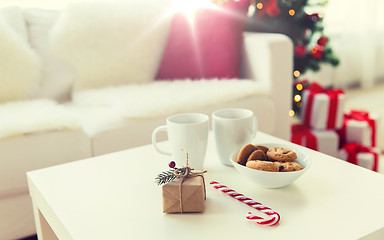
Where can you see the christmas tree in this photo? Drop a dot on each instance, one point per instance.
(298, 20)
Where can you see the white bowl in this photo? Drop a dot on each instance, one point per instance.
(273, 179)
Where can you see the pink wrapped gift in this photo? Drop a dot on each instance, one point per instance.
(363, 156)
(359, 127)
(325, 141)
(322, 108)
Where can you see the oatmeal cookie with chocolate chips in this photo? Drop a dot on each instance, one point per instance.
(281, 154)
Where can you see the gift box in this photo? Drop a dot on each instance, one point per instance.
(322, 108)
(358, 154)
(184, 195)
(325, 141)
(359, 127)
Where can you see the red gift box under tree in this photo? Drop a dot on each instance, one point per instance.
(322, 108)
(367, 134)
(353, 151)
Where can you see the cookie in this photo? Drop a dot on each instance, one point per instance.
(281, 154)
(291, 166)
(257, 155)
(280, 166)
(244, 154)
(263, 165)
(262, 148)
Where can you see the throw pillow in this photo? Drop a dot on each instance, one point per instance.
(19, 64)
(209, 46)
(112, 43)
(13, 16)
(57, 77)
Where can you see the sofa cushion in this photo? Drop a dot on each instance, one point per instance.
(167, 97)
(95, 119)
(20, 65)
(36, 151)
(208, 45)
(24, 117)
(110, 44)
(57, 77)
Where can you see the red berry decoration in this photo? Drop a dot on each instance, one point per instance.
(313, 17)
(269, 7)
(322, 41)
(172, 164)
(317, 52)
(274, 11)
(300, 51)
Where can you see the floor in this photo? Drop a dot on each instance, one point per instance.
(34, 237)
(371, 100)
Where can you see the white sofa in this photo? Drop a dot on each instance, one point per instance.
(55, 125)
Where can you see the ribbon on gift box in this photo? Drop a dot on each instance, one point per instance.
(358, 115)
(333, 94)
(353, 149)
(300, 132)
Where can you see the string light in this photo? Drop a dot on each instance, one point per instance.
(291, 113)
(299, 104)
(291, 12)
(259, 6)
(296, 73)
(299, 86)
(297, 98)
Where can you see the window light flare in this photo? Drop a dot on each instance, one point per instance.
(189, 7)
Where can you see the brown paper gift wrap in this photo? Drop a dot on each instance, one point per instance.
(192, 195)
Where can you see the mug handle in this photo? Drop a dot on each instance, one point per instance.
(254, 127)
(154, 141)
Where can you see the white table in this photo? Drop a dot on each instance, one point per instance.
(114, 197)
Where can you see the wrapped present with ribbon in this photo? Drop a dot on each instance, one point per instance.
(359, 127)
(322, 108)
(325, 141)
(183, 190)
(358, 154)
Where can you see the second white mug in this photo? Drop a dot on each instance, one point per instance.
(232, 128)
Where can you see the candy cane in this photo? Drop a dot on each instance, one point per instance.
(256, 205)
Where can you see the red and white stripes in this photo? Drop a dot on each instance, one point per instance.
(275, 217)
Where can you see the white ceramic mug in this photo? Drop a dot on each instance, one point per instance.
(188, 131)
(232, 128)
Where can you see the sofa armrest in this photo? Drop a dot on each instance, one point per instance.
(268, 59)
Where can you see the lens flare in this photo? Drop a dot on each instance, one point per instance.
(189, 7)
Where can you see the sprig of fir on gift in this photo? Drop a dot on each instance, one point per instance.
(174, 172)
(169, 176)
